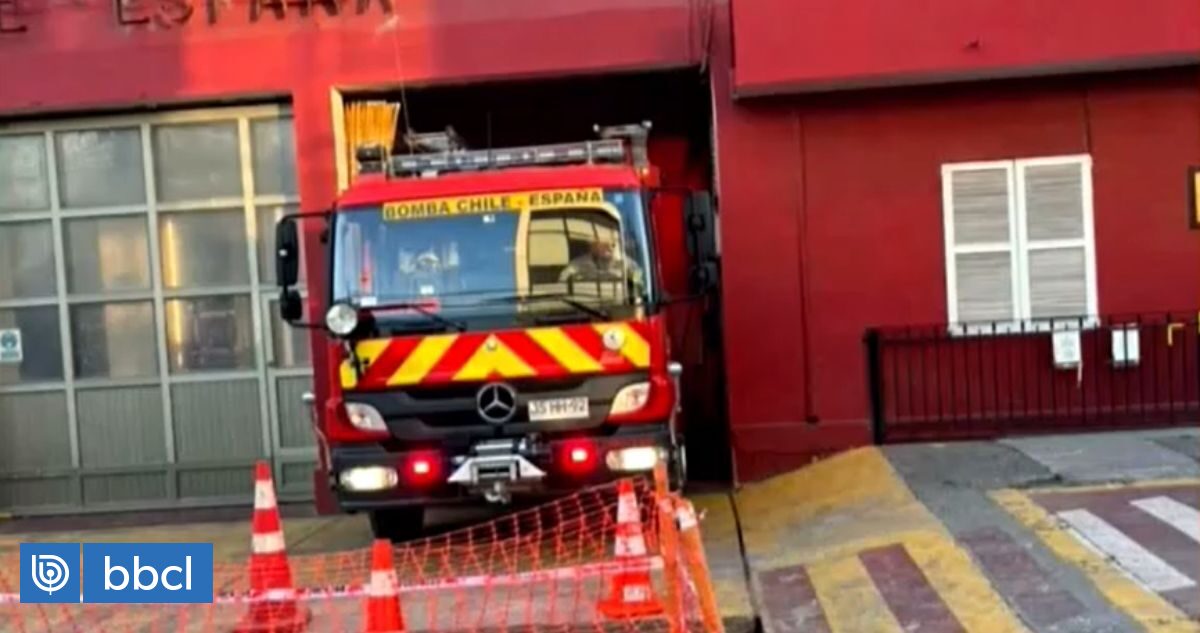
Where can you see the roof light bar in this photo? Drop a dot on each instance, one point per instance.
(603, 151)
(445, 151)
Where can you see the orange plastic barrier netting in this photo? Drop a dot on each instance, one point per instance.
(556, 567)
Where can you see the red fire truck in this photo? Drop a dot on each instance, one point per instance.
(496, 322)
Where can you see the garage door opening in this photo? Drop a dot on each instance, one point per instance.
(518, 113)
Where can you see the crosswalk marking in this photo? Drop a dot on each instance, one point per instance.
(1150, 570)
(849, 598)
(962, 586)
(1178, 515)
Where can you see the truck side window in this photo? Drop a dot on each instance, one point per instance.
(568, 250)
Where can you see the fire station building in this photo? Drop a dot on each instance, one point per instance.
(876, 164)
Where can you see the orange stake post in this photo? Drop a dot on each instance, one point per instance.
(668, 542)
(697, 562)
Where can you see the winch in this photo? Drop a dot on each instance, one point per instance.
(494, 466)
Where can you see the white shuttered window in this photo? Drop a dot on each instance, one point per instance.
(1019, 240)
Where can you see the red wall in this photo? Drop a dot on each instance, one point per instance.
(820, 44)
(75, 56)
(831, 216)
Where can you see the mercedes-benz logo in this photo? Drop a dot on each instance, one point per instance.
(496, 402)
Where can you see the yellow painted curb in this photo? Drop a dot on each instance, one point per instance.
(1135, 485)
(853, 497)
(1146, 607)
(825, 515)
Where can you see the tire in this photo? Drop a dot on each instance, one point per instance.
(398, 524)
(678, 468)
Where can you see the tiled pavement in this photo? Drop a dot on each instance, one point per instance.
(923, 583)
(1139, 544)
(996, 549)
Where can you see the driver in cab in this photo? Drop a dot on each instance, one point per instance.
(600, 264)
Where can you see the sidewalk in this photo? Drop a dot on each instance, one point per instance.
(1086, 533)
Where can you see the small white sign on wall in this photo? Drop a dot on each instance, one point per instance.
(1125, 346)
(11, 351)
(1068, 351)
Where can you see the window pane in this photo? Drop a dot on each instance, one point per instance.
(560, 255)
(1054, 201)
(1058, 283)
(114, 340)
(40, 345)
(267, 217)
(209, 333)
(107, 254)
(100, 168)
(980, 199)
(274, 156)
(203, 248)
(984, 285)
(26, 260)
(290, 343)
(197, 161)
(23, 173)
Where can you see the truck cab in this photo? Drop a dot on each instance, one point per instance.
(495, 327)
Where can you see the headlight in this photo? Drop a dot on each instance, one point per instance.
(364, 417)
(368, 478)
(634, 459)
(630, 398)
(341, 319)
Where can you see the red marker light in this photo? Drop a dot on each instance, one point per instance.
(422, 469)
(578, 457)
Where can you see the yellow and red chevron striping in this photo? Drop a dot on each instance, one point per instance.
(475, 356)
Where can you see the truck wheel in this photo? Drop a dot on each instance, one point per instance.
(398, 524)
(678, 470)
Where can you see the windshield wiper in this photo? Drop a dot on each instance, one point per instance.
(599, 313)
(424, 311)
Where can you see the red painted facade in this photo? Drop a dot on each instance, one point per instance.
(824, 44)
(79, 56)
(849, 189)
(832, 211)
(830, 204)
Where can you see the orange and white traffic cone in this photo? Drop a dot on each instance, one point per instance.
(631, 594)
(383, 592)
(274, 608)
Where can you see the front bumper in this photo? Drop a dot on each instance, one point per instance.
(550, 456)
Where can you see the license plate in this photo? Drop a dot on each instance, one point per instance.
(558, 409)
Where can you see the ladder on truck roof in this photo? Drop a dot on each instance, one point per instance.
(445, 152)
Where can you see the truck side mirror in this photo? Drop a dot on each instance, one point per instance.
(291, 308)
(287, 254)
(701, 219)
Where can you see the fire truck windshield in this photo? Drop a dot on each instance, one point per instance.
(467, 255)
